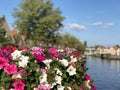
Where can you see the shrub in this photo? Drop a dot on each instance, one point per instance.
(42, 69)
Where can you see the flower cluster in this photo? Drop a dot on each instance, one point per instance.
(43, 69)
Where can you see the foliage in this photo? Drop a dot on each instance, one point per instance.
(68, 40)
(4, 39)
(38, 20)
(42, 69)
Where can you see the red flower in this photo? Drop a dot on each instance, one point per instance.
(76, 54)
(9, 49)
(19, 85)
(12, 49)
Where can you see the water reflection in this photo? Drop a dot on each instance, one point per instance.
(106, 73)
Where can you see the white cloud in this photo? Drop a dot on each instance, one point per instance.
(108, 25)
(102, 24)
(75, 26)
(97, 23)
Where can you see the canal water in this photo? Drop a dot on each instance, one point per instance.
(106, 73)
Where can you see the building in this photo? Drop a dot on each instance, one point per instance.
(118, 52)
(114, 51)
(89, 51)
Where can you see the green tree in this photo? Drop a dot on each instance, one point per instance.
(85, 43)
(2, 35)
(38, 20)
(97, 46)
(73, 42)
(68, 40)
(4, 39)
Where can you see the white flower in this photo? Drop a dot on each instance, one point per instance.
(47, 62)
(35, 88)
(43, 78)
(88, 84)
(58, 72)
(60, 50)
(69, 88)
(53, 84)
(23, 61)
(60, 87)
(25, 58)
(12, 89)
(58, 79)
(15, 76)
(64, 62)
(16, 54)
(18, 76)
(73, 59)
(71, 70)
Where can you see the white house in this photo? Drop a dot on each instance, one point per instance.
(118, 52)
(113, 50)
(108, 50)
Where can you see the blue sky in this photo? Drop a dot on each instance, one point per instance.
(94, 21)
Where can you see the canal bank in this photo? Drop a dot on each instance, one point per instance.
(106, 56)
(110, 57)
(106, 73)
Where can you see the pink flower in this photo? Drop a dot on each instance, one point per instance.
(54, 52)
(39, 57)
(44, 87)
(82, 87)
(3, 62)
(43, 70)
(93, 87)
(36, 89)
(19, 85)
(6, 51)
(37, 50)
(24, 48)
(9, 49)
(87, 78)
(72, 63)
(10, 69)
(29, 74)
(20, 72)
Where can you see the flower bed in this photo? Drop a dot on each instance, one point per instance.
(42, 69)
